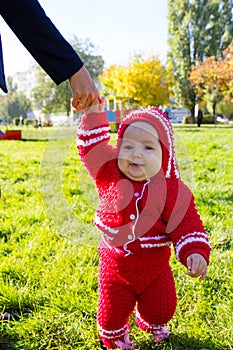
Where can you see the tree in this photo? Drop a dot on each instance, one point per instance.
(144, 81)
(12, 87)
(213, 78)
(148, 81)
(43, 92)
(114, 81)
(18, 105)
(87, 51)
(197, 29)
(50, 98)
(14, 104)
(227, 74)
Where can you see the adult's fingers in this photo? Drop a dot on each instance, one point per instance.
(79, 102)
(85, 101)
(91, 100)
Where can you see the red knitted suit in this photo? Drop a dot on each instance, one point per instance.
(139, 220)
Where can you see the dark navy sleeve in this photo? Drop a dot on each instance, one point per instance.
(2, 74)
(41, 38)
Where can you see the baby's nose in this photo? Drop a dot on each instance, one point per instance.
(137, 152)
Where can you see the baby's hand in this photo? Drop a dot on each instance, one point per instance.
(197, 266)
(96, 108)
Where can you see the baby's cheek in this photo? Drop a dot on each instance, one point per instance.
(122, 165)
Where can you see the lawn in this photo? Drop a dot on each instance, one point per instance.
(48, 245)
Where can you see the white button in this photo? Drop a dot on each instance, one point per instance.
(136, 194)
(132, 216)
(130, 236)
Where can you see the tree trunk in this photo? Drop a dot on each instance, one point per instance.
(214, 108)
(192, 116)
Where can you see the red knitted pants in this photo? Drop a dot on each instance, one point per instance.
(125, 282)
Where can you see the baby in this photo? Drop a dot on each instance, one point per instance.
(144, 208)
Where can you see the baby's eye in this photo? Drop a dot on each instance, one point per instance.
(128, 147)
(149, 148)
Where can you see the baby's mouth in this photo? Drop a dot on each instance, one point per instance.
(135, 165)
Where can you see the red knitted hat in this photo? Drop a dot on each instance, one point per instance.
(161, 123)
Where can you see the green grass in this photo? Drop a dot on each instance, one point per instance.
(48, 245)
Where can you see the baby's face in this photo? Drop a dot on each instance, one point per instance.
(140, 154)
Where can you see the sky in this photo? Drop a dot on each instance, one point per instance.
(118, 29)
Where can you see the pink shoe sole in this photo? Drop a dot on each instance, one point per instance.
(126, 344)
(160, 335)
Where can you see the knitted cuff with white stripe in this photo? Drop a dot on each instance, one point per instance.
(109, 337)
(196, 242)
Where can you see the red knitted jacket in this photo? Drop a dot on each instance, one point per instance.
(140, 216)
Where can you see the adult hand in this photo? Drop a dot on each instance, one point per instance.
(197, 266)
(84, 90)
(96, 108)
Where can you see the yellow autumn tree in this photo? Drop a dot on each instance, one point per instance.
(113, 81)
(143, 80)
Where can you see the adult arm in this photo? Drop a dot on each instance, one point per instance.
(54, 54)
